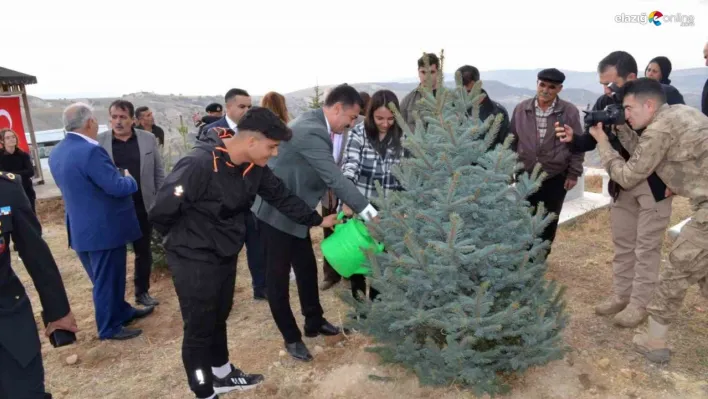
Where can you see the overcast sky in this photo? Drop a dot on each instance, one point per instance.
(205, 47)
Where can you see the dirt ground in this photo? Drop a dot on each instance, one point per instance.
(602, 364)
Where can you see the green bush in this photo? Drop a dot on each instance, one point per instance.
(171, 152)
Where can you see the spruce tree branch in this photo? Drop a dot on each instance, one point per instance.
(469, 198)
(525, 262)
(478, 302)
(441, 118)
(453, 185)
(426, 218)
(452, 236)
(446, 160)
(423, 300)
(420, 154)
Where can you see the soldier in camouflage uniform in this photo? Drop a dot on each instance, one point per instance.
(675, 146)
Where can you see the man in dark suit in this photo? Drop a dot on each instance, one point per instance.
(470, 76)
(307, 167)
(21, 369)
(238, 102)
(137, 151)
(100, 218)
(146, 122)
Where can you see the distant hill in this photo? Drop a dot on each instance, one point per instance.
(508, 87)
(46, 114)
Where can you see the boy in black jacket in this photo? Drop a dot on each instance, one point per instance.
(200, 211)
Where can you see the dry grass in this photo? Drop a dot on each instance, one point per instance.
(593, 184)
(50, 211)
(151, 367)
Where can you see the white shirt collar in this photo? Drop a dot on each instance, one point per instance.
(329, 129)
(87, 138)
(232, 125)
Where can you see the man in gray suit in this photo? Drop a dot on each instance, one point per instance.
(330, 201)
(137, 151)
(306, 165)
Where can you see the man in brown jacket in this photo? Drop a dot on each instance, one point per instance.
(533, 125)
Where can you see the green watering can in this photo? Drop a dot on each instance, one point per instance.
(343, 248)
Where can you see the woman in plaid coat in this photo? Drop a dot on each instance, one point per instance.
(373, 147)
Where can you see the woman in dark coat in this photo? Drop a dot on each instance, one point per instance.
(14, 160)
(659, 68)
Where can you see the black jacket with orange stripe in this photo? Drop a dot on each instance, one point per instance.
(201, 207)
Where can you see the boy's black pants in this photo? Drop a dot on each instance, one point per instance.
(205, 291)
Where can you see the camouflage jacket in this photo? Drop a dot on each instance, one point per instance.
(675, 145)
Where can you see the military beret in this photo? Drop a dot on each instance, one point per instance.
(551, 75)
(213, 107)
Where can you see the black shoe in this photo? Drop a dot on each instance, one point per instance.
(139, 314)
(299, 351)
(237, 380)
(126, 333)
(260, 296)
(146, 300)
(325, 329)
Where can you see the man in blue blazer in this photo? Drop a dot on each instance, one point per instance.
(100, 218)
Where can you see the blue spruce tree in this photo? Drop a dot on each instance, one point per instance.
(464, 298)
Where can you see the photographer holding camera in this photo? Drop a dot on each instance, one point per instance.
(673, 145)
(640, 214)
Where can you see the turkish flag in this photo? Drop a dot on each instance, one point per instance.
(11, 117)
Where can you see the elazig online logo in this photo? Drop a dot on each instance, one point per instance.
(656, 18)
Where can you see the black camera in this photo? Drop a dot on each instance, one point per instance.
(613, 114)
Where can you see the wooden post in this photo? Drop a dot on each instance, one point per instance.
(35, 151)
